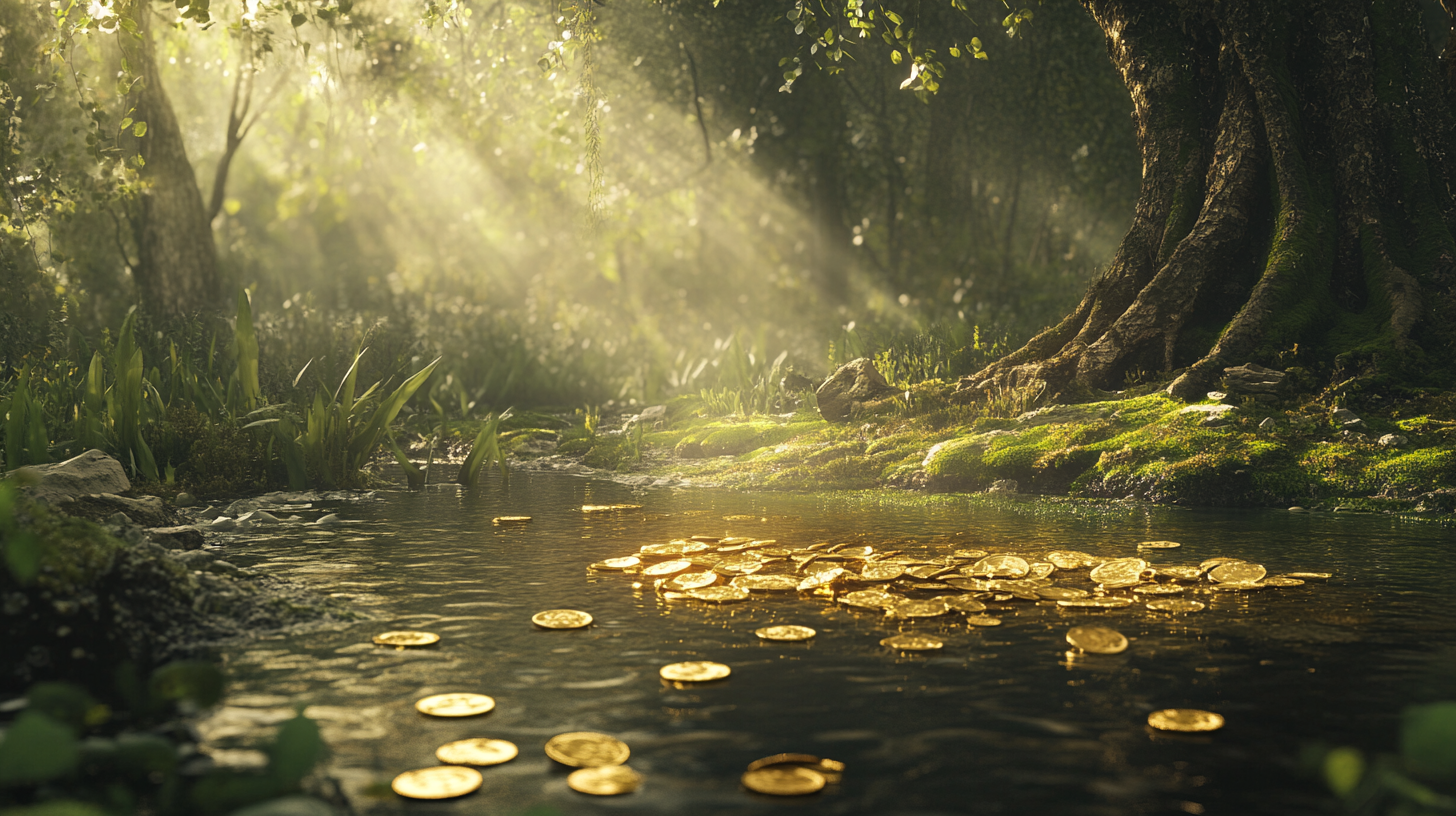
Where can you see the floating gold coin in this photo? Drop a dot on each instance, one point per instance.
(982, 620)
(694, 671)
(869, 599)
(691, 580)
(719, 594)
(407, 639)
(609, 508)
(1071, 559)
(927, 571)
(917, 609)
(787, 631)
(1239, 586)
(815, 763)
(587, 749)
(1176, 605)
(881, 572)
(501, 521)
(606, 780)
(479, 751)
(1282, 581)
(820, 579)
(1119, 572)
(1240, 573)
(704, 538)
(1000, 566)
(1097, 639)
(962, 603)
(912, 643)
(1185, 719)
(1097, 603)
(1061, 593)
(617, 563)
(459, 704)
(734, 541)
(561, 619)
(667, 568)
(968, 584)
(1159, 545)
(784, 780)
(1181, 573)
(969, 554)
(1210, 563)
(1040, 569)
(1309, 576)
(678, 547)
(1160, 589)
(766, 583)
(738, 565)
(443, 782)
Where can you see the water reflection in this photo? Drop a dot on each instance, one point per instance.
(1002, 719)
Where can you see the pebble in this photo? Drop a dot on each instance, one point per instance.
(185, 499)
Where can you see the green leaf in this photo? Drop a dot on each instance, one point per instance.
(36, 749)
(61, 807)
(296, 750)
(1428, 740)
(1344, 768)
(976, 43)
(125, 123)
(140, 129)
(287, 806)
(245, 345)
(297, 20)
(954, 51)
(197, 681)
(894, 18)
(22, 556)
(896, 56)
(64, 703)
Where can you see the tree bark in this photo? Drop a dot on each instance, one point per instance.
(1296, 204)
(176, 273)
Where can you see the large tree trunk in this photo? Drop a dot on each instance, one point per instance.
(176, 273)
(1296, 203)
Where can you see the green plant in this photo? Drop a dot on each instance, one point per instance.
(27, 439)
(1418, 781)
(485, 450)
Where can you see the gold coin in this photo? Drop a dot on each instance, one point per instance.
(443, 782)
(691, 580)
(766, 583)
(719, 594)
(609, 508)
(1309, 576)
(969, 555)
(666, 568)
(501, 521)
(1240, 573)
(1056, 593)
(917, 609)
(587, 749)
(786, 631)
(784, 780)
(1097, 603)
(678, 547)
(1282, 581)
(927, 571)
(869, 598)
(1239, 586)
(912, 643)
(962, 603)
(1119, 572)
(1214, 562)
(605, 780)
(881, 572)
(820, 579)
(1159, 545)
(1097, 639)
(1160, 589)
(694, 671)
(1000, 566)
(741, 565)
(1176, 605)
(459, 704)
(1185, 719)
(1182, 573)
(617, 563)
(1040, 569)
(478, 751)
(404, 639)
(982, 620)
(1071, 559)
(816, 763)
(561, 619)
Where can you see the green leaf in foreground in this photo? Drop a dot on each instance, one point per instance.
(36, 749)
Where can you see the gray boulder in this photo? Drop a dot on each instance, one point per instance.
(1347, 419)
(1007, 486)
(1251, 379)
(177, 538)
(91, 472)
(854, 384)
(148, 511)
(1393, 441)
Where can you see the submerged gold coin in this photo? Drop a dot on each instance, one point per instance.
(1210, 563)
(1000, 566)
(480, 751)
(1160, 589)
(784, 780)
(1240, 573)
(667, 568)
(1119, 572)
(443, 782)
(1056, 593)
(1097, 639)
(459, 704)
(501, 521)
(983, 620)
(719, 594)
(808, 760)
(1176, 605)
(869, 598)
(561, 619)
(406, 640)
(691, 580)
(1239, 586)
(1309, 576)
(609, 508)
(917, 609)
(1071, 559)
(1185, 719)
(587, 749)
(962, 603)
(881, 572)
(1181, 573)
(694, 671)
(912, 643)
(787, 631)
(617, 563)
(766, 583)
(969, 555)
(678, 547)
(1282, 581)
(1159, 545)
(1097, 603)
(820, 579)
(605, 780)
(1040, 570)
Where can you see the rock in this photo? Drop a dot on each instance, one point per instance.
(795, 383)
(855, 383)
(1267, 425)
(177, 538)
(1061, 414)
(148, 511)
(331, 520)
(1217, 396)
(240, 507)
(653, 415)
(1345, 418)
(195, 559)
(1392, 441)
(1005, 486)
(91, 472)
(224, 568)
(256, 517)
(1212, 415)
(222, 523)
(1254, 380)
(185, 499)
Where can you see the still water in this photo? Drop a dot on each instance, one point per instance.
(1002, 720)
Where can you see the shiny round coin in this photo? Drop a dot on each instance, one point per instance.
(502, 521)
(443, 782)
(587, 749)
(766, 583)
(1159, 589)
(1282, 581)
(1240, 573)
(667, 568)
(808, 760)
(785, 632)
(1071, 559)
(691, 580)
(1185, 719)
(1159, 545)
(617, 563)
(784, 780)
(869, 599)
(881, 572)
(694, 671)
(983, 620)
(1119, 572)
(479, 751)
(561, 619)
(1097, 639)
(406, 640)
(1181, 573)
(1309, 576)
(1000, 566)
(1056, 593)
(680, 547)
(1097, 603)
(604, 780)
(1176, 605)
(962, 603)
(912, 643)
(609, 508)
(458, 704)
(917, 609)
(719, 594)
